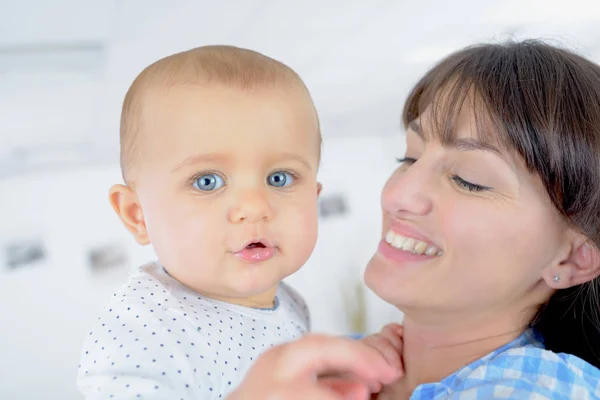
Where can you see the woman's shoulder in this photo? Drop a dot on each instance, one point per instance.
(529, 369)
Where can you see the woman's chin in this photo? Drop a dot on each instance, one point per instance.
(379, 277)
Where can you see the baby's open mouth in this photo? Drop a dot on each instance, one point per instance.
(255, 245)
(257, 252)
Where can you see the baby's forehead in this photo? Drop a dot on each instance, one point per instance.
(153, 94)
(213, 117)
(200, 94)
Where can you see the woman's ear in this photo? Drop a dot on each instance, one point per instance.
(581, 265)
(126, 204)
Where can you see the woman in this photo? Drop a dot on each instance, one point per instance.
(491, 230)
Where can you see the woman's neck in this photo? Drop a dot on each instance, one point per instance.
(434, 351)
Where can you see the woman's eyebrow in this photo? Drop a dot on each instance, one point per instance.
(463, 144)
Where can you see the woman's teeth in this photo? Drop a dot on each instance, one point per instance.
(411, 245)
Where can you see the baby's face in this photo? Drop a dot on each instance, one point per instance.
(228, 187)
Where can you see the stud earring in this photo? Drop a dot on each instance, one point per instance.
(556, 278)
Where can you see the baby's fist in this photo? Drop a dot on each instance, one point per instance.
(389, 343)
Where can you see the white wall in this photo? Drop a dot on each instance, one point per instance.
(357, 168)
(358, 59)
(49, 307)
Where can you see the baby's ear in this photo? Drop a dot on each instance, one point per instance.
(126, 204)
(582, 265)
(319, 188)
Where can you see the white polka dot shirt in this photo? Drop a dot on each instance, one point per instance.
(157, 339)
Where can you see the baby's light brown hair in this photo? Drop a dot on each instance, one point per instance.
(208, 65)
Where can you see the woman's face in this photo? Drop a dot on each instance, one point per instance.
(485, 228)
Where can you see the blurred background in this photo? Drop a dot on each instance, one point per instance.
(65, 66)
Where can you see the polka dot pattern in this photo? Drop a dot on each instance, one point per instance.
(156, 339)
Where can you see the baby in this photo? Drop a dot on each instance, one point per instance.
(220, 148)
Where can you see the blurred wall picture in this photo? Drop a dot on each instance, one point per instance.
(107, 256)
(24, 253)
(333, 205)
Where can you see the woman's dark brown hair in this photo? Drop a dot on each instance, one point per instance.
(542, 103)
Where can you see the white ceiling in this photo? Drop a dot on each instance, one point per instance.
(65, 65)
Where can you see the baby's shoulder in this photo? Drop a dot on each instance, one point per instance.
(288, 294)
(292, 300)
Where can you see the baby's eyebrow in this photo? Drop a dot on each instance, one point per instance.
(201, 158)
(223, 158)
(294, 157)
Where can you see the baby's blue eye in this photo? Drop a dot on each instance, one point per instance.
(209, 182)
(280, 179)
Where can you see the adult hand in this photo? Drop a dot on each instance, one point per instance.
(291, 371)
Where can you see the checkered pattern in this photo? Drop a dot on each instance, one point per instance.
(521, 369)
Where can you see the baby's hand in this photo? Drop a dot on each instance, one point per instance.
(389, 343)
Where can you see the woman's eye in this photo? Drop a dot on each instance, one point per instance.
(209, 182)
(280, 179)
(406, 160)
(471, 187)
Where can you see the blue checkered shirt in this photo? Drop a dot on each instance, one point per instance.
(522, 369)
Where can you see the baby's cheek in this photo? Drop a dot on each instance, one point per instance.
(304, 231)
(185, 241)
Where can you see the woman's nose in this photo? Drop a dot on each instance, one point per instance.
(408, 191)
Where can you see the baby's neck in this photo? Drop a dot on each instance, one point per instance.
(265, 299)
(262, 300)
(433, 352)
